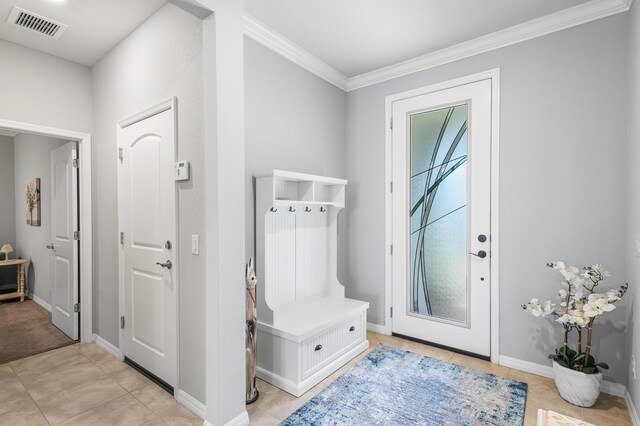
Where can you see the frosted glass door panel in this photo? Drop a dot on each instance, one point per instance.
(438, 286)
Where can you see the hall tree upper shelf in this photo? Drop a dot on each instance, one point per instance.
(290, 188)
(307, 328)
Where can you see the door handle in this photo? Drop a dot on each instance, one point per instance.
(52, 246)
(481, 254)
(166, 264)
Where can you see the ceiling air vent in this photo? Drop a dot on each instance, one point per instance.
(35, 22)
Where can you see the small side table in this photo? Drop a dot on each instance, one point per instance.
(20, 263)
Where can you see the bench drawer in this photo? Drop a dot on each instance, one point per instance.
(319, 350)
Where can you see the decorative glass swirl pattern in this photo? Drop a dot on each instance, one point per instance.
(438, 213)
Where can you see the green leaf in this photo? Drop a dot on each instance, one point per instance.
(570, 353)
(603, 365)
(577, 360)
(590, 370)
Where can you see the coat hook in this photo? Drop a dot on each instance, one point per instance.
(322, 209)
(307, 209)
(291, 209)
(273, 209)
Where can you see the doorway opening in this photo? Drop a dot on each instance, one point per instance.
(52, 217)
(442, 214)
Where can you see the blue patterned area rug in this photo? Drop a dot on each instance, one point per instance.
(391, 386)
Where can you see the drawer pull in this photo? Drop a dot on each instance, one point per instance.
(353, 328)
(318, 347)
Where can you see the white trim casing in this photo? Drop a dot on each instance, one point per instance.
(632, 409)
(86, 214)
(561, 20)
(192, 404)
(494, 76)
(39, 301)
(296, 54)
(108, 347)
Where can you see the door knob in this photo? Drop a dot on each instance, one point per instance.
(166, 264)
(52, 246)
(481, 254)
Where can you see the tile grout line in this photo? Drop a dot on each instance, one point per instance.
(106, 402)
(28, 393)
(156, 416)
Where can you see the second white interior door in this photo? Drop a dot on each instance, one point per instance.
(441, 217)
(147, 197)
(63, 246)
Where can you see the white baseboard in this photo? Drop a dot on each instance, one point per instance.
(39, 301)
(108, 347)
(240, 420)
(526, 366)
(192, 404)
(377, 328)
(608, 387)
(632, 409)
(613, 388)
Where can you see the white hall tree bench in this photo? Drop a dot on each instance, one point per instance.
(307, 329)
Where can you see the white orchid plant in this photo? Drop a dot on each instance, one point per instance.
(580, 305)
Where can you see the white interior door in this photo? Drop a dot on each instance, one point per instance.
(63, 246)
(441, 159)
(147, 197)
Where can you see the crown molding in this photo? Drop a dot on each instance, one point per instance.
(296, 54)
(577, 15)
(568, 18)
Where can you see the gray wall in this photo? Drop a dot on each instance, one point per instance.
(633, 212)
(294, 121)
(8, 214)
(32, 154)
(7, 190)
(41, 89)
(562, 167)
(162, 58)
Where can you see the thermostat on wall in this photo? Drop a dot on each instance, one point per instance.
(182, 170)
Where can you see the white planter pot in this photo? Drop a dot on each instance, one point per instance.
(576, 387)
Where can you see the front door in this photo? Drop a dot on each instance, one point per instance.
(441, 160)
(64, 246)
(147, 208)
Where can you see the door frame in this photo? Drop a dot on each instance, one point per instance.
(162, 106)
(86, 217)
(494, 76)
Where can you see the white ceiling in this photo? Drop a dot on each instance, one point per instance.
(358, 36)
(95, 26)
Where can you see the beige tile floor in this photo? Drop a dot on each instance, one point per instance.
(274, 405)
(83, 385)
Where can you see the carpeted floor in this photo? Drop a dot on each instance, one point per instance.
(26, 329)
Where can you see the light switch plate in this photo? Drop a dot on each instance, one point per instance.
(195, 244)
